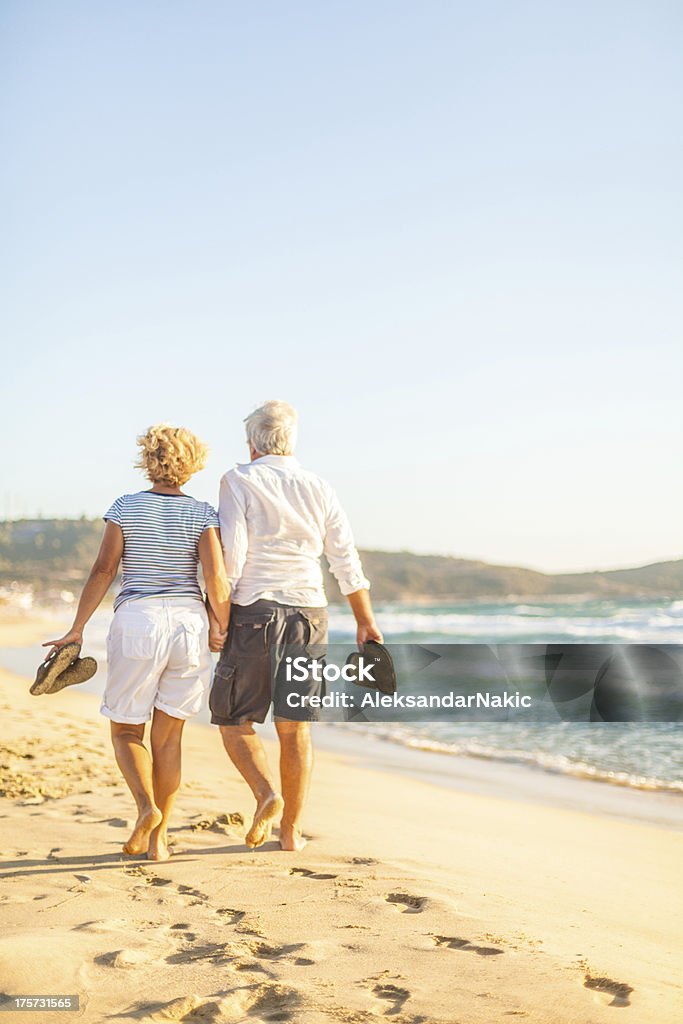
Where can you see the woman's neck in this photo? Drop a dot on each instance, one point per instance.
(162, 489)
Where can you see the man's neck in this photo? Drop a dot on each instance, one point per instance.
(264, 455)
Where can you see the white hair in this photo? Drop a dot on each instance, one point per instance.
(272, 428)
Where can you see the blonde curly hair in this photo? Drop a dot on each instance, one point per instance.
(170, 455)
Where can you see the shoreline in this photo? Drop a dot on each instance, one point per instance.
(505, 780)
(485, 776)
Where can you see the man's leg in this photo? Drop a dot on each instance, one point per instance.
(246, 752)
(135, 763)
(165, 738)
(296, 763)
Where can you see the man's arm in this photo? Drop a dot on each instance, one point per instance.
(361, 606)
(345, 565)
(233, 535)
(233, 520)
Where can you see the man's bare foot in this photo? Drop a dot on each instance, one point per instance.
(291, 839)
(139, 837)
(158, 845)
(262, 825)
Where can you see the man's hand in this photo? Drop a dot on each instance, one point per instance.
(217, 639)
(369, 631)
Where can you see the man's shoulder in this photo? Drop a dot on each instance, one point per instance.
(318, 481)
(234, 475)
(252, 470)
(311, 478)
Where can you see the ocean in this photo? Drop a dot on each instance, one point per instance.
(633, 754)
(636, 755)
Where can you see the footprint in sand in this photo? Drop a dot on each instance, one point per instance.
(187, 935)
(187, 890)
(393, 994)
(410, 904)
(135, 870)
(231, 915)
(619, 990)
(221, 823)
(194, 896)
(265, 951)
(113, 924)
(213, 952)
(123, 958)
(452, 942)
(264, 1001)
(306, 873)
(250, 925)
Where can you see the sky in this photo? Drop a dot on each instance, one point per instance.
(450, 234)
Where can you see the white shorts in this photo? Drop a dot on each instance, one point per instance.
(157, 657)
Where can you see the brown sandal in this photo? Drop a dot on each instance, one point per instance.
(63, 668)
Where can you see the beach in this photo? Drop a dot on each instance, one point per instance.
(413, 901)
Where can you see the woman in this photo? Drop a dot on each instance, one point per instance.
(158, 660)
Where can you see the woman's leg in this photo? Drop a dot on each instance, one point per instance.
(135, 763)
(166, 739)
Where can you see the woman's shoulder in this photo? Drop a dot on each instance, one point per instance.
(208, 509)
(130, 498)
(206, 513)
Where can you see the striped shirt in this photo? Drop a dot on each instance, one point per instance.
(160, 543)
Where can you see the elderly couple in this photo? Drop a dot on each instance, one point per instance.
(260, 559)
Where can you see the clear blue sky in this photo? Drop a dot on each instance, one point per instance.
(449, 233)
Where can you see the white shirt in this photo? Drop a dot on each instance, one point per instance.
(276, 520)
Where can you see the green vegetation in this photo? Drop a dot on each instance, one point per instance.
(54, 554)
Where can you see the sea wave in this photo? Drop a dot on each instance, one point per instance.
(559, 764)
(648, 624)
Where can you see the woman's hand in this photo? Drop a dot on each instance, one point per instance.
(217, 639)
(74, 636)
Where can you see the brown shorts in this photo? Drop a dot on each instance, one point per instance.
(253, 669)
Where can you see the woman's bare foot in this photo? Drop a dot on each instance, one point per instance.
(139, 837)
(291, 839)
(262, 824)
(158, 845)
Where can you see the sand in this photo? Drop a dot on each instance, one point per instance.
(411, 903)
(21, 627)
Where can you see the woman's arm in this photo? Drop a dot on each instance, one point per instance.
(102, 574)
(215, 578)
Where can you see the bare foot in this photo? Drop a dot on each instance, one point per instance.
(158, 845)
(291, 839)
(262, 824)
(139, 837)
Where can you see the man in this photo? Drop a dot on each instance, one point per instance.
(276, 520)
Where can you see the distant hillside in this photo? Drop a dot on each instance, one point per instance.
(402, 575)
(53, 554)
